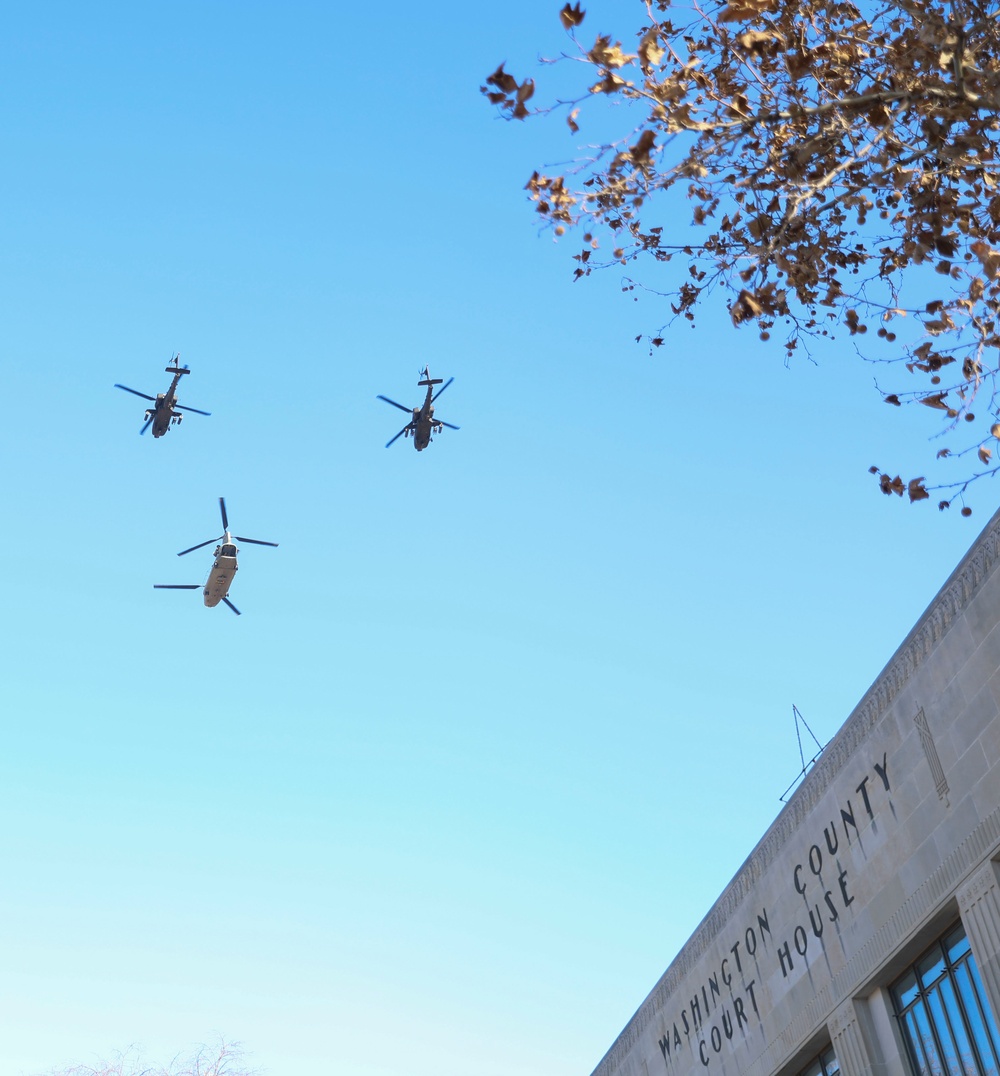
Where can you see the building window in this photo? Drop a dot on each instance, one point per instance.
(944, 1015)
(824, 1065)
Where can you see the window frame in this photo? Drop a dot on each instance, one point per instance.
(944, 985)
(825, 1063)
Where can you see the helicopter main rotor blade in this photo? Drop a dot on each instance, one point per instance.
(448, 424)
(177, 586)
(408, 426)
(254, 541)
(134, 393)
(146, 427)
(231, 606)
(177, 407)
(225, 518)
(441, 389)
(201, 545)
(408, 410)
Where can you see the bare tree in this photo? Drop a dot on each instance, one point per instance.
(838, 159)
(221, 1059)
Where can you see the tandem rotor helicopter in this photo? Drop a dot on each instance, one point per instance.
(422, 421)
(220, 579)
(164, 411)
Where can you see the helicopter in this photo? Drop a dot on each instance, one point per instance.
(164, 411)
(422, 421)
(220, 579)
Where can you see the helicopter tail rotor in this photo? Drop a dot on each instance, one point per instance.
(426, 379)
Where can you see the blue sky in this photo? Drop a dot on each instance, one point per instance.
(500, 719)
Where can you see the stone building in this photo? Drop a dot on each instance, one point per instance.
(862, 935)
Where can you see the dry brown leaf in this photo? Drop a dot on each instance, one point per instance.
(988, 258)
(571, 16)
(604, 54)
(916, 491)
(503, 81)
(650, 52)
(611, 83)
(745, 10)
(641, 150)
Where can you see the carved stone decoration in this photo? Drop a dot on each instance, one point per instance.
(850, 1043)
(931, 754)
(979, 905)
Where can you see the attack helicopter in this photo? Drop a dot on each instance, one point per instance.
(422, 421)
(220, 578)
(165, 409)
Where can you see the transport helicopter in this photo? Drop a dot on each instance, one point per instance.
(220, 578)
(165, 409)
(422, 421)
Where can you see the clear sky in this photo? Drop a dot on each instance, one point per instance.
(499, 720)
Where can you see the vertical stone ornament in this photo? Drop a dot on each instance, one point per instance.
(979, 905)
(853, 1039)
(931, 753)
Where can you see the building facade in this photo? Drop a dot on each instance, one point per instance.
(862, 935)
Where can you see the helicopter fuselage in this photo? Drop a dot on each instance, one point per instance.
(423, 426)
(163, 413)
(220, 578)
